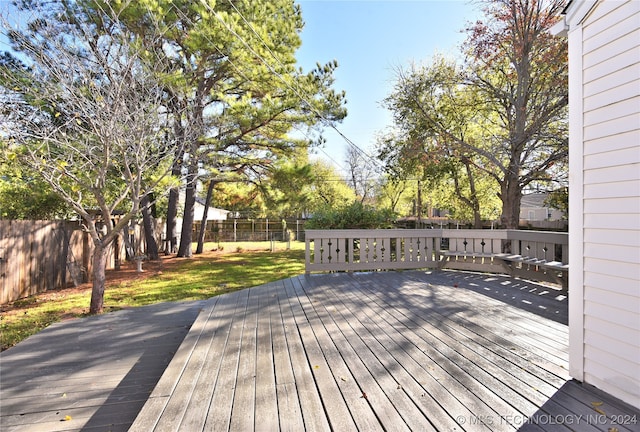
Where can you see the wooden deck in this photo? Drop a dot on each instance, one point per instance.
(91, 374)
(380, 351)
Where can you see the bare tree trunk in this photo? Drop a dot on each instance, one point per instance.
(149, 229)
(419, 206)
(471, 201)
(186, 235)
(203, 225)
(174, 194)
(511, 196)
(99, 277)
(172, 214)
(475, 204)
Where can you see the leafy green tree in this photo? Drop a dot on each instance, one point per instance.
(239, 197)
(522, 70)
(421, 150)
(396, 194)
(328, 188)
(287, 191)
(292, 189)
(230, 70)
(354, 215)
(559, 199)
(23, 193)
(449, 195)
(513, 88)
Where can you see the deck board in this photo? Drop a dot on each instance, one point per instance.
(377, 385)
(219, 322)
(372, 392)
(218, 408)
(394, 351)
(414, 350)
(266, 401)
(244, 391)
(334, 406)
(89, 369)
(313, 412)
(449, 364)
(288, 404)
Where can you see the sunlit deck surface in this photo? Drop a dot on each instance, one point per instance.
(414, 350)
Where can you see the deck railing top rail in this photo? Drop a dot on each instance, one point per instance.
(556, 237)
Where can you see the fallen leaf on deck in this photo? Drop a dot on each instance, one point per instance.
(595, 406)
(66, 418)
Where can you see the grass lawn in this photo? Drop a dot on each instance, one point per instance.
(222, 268)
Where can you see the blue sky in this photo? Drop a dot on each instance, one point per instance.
(370, 39)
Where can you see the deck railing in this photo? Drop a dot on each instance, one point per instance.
(496, 251)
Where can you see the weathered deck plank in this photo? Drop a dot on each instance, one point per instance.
(217, 410)
(99, 371)
(372, 351)
(334, 406)
(393, 408)
(266, 402)
(289, 411)
(394, 351)
(359, 389)
(220, 321)
(477, 373)
(452, 374)
(311, 406)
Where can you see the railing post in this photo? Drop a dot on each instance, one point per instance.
(307, 254)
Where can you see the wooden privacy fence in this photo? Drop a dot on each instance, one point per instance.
(36, 256)
(535, 255)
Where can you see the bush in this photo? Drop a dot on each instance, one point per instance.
(351, 216)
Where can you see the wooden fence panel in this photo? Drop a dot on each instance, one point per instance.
(30, 258)
(37, 256)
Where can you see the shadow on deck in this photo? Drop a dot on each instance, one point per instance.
(442, 350)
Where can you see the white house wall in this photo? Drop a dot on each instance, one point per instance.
(605, 104)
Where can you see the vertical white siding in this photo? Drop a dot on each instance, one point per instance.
(610, 197)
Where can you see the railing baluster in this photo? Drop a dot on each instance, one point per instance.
(340, 250)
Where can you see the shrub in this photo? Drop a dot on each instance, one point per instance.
(351, 216)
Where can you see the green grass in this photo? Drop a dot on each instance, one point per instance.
(243, 265)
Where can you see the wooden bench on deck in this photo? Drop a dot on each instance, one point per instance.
(518, 265)
(539, 256)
